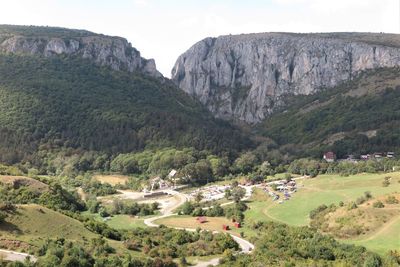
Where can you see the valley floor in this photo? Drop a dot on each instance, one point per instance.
(324, 189)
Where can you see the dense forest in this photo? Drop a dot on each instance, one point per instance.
(59, 102)
(360, 116)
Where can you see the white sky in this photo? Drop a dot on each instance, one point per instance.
(164, 29)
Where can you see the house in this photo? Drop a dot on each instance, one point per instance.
(329, 156)
(390, 155)
(237, 224)
(378, 156)
(201, 219)
(365, 157)
(172, 173)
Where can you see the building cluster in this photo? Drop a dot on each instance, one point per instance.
(331, 156)
(213, 192)
(284, 190)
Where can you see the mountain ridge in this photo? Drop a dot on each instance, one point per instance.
(243, 77)
(112, 51)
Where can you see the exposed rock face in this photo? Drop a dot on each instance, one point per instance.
(114, 52)
(243, 77)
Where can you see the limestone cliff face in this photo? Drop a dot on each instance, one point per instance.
(243, 77)
(114, 52)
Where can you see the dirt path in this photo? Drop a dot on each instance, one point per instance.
(383, 229)
(9, 255)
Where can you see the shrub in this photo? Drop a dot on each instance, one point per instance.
(352, 206)
(360, 200)
(316, 211)
(3, 216)
(378, 204)
(367, 194)
(392, 200)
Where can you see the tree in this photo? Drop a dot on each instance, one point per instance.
(238, 193)
(219, 166)
(3, 216)
(199, 172)
(245, 163)
(228, 193)
(187, 208)
(372, 260)
(93, 206)
(266, 169)
(198, 197)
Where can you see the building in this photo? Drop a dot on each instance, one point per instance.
(201, 219)
(390, 155)
(365, 157)
(172, 173)
(329, 156)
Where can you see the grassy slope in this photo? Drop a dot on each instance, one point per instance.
(120, 222)
(383, 240)
(34, 223)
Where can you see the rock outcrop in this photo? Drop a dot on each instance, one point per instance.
(114, 52)
(244, 77)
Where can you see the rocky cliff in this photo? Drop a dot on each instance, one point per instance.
(244, 77)
(114, 52)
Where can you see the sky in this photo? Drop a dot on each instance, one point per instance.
(164, 29)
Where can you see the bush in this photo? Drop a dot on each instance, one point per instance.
(352, 206)
(3, 216)
(378, 204)
(367, 194)
(318, 210)
(360, 200)
(392, 200)
(187, 208)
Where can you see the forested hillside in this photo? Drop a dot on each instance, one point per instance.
(361, 116)
(60, 101)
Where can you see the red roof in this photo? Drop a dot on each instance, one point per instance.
(201, 219)
(329, 155)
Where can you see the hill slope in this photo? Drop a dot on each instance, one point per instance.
(31, 223)
(360, 116)
(68, 101)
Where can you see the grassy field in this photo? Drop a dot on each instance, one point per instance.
(328, 189)
(111, 179)
(211, 224)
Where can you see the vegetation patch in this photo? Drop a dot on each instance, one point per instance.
(111, 179)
